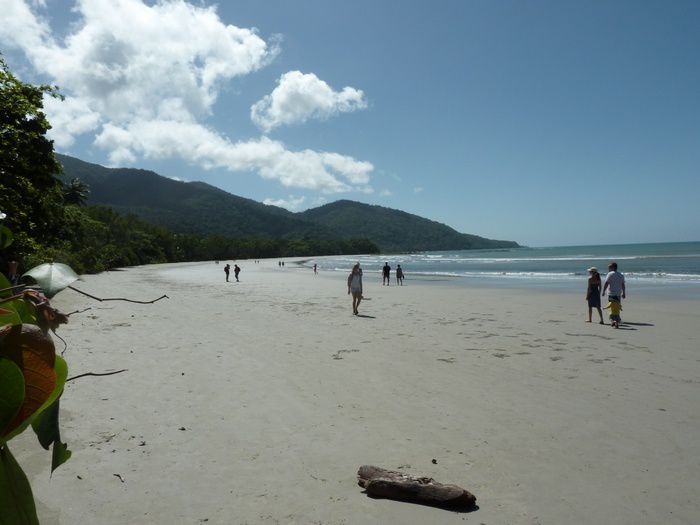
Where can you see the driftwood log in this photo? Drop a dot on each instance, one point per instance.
(382, 483)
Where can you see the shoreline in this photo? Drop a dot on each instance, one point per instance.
(282, 394)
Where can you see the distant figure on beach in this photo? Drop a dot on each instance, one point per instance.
(615, 308)
(315, 269)
(236, 271)
(593, 293)
(386, 272)
(227, 269)
(399, 275)
(355, 286)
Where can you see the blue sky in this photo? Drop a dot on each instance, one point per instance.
(545, 122)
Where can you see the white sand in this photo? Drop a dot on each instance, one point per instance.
(283, 394)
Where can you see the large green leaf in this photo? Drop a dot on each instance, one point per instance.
(61, 370)
(52, 277)
(4, 283)
(11, 392)
(46, 428)
(9, 315)
(16, 312)
(46, 424)
(16, 499)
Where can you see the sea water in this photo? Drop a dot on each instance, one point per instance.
(657, 267)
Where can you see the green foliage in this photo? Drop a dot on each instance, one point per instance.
(75, 192)
(395, 230)
(30, 194)
(11, 391)
(16, 499)
(6, 237)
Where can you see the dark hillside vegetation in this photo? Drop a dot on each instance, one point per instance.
(199, 208)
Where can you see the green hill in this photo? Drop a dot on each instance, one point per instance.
(187, 207)
(196, 207)
(395, 230)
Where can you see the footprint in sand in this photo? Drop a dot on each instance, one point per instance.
(336, 356)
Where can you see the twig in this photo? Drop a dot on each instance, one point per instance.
(12, 297)
(118, 298)
(15, 287)
(65, 345)
(79, 311)
(96, 374)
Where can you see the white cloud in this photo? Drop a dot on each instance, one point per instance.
(143, 79)
(193, 142)
(69, 119)
(417, 189)
(299, 97)
(292, 203)
(385, 193)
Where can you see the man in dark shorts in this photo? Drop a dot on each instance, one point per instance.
(386, 272)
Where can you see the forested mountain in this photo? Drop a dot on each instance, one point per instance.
(395, 230)
(187, 207)
(196, 207)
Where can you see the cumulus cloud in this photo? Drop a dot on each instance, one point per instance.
(417, 189)
(142, 80)
(299, 97)
(292, 203)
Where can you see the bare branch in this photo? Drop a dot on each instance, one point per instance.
(96, 374)
(118, 298)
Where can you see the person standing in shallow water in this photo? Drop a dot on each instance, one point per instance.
(386, 272)
(355, 287)
(593, 293)
(236, 271)
(227, 270)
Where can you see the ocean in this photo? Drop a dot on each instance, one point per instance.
(672, 268)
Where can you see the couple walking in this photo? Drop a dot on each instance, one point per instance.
(236, 271)
(615, 282)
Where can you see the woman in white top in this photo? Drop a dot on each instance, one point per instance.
(355, 286)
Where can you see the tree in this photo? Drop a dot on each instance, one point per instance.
(76, 192)
(30, 193)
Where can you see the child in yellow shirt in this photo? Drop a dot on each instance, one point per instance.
(615, 308)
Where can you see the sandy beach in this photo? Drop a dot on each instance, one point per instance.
(256, 402)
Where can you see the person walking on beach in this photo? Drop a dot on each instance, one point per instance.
(593, 293)
(236, 271)
(386, 272)
(615, 282)
(615, 308)
(315, 269)
(399, 275)
(227, 270)
(355, 286)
